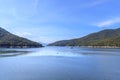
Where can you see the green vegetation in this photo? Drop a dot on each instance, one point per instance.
(109, 37)
(8, 40)
(108, 42)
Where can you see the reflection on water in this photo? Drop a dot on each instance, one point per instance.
(73, 52)
(11, 52)
(59, 51)
(60, 63)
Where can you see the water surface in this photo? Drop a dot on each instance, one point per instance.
(60, 63)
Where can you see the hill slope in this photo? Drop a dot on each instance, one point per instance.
(115, 41)
(94, 39)
(8, 40)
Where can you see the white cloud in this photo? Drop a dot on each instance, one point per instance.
(93, 3)
(108, 22)
(35, 5)
(88, 3)
(23, 34)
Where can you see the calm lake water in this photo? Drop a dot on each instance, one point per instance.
(60, 63)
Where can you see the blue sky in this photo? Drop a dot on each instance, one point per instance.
(51, 20)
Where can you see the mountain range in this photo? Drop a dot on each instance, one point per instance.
(108, 37)
(9, 40)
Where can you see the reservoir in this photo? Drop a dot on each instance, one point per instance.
(60, 63)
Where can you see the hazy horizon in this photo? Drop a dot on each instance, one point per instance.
(52, 20)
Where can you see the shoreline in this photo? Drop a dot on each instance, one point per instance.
(115, 47)
(22, 47)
